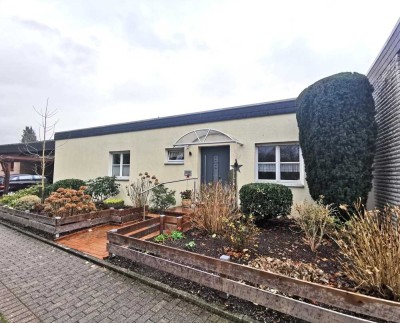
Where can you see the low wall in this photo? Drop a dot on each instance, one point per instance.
(57, 226)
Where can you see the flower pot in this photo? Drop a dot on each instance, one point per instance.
(186, 203)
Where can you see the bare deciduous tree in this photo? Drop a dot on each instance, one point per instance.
(46, 133)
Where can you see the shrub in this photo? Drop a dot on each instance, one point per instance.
(68, 202)
(73, 183)
(337, 133)
(370, 244)
(11, 198)
(265, 200)
(143, 183)
(314, 219)
(162, 198)
(102, 188)
(27, 202)
(241, 231)
(115, 203)
(216, 204)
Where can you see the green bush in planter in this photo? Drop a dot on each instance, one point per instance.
(115, 203)
(27, 203)
(73, 183)
(11, 198)
(265, 200)
(102, 188)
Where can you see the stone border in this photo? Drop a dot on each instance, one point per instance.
(146, 280)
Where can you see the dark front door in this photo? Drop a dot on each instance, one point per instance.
(214, 164)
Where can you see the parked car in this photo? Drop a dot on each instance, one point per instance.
(20, 181)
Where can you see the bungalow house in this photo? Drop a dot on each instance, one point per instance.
(263, 138)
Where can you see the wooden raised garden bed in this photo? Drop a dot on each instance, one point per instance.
(243, 281)
(57, 226)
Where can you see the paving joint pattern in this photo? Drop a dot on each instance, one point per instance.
(56, 286)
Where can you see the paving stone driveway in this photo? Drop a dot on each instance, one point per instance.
(40, 283)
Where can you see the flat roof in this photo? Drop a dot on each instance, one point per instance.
(233, 113)
(387, 53)
(22, 148)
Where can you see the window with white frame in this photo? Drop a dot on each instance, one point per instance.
(175, 155)
(279, 163)
(120, 164)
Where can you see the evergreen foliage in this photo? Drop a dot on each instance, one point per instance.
(337, 131)
(102, 188)
(73, 183)
(28, 135)
(162, 198)
(265, 200)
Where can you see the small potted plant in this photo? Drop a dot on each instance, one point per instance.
(186, 197)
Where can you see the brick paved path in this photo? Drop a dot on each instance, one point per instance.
(40, 283)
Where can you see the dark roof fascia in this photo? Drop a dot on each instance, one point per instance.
(21, 148)
(387, 53)
(234, 113)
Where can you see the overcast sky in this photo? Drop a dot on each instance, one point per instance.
(102, 62)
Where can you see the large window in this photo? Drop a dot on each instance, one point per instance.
(120, 164)
(175, 155)
(279, 163)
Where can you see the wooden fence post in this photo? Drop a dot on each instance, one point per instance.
(227, 259)
(162, 218)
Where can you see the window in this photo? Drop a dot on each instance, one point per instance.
(175, 155)
(279, 163)
(120, 164)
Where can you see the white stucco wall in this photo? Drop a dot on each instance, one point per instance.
(89, 157)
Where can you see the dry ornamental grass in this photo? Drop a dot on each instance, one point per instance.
(216, 205)
(370, 244)
(314, 219)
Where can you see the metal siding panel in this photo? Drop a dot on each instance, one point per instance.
(387, 158)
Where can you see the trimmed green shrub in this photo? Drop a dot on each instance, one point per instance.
(102, 188)
(73, 183)
(162, 198)
(11, 198)
(115, 203)
(27, 203)
(337, 131)
(265, 200)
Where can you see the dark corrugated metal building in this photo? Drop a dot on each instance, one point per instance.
(384, 75)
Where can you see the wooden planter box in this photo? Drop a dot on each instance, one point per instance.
(56, 226)
(243, 281)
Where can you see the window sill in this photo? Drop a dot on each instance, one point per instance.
(288, 184)
(122, 179)
(174, 163)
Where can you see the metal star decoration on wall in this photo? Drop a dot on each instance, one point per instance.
(236, 166)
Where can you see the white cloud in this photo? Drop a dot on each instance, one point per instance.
(103, 62)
